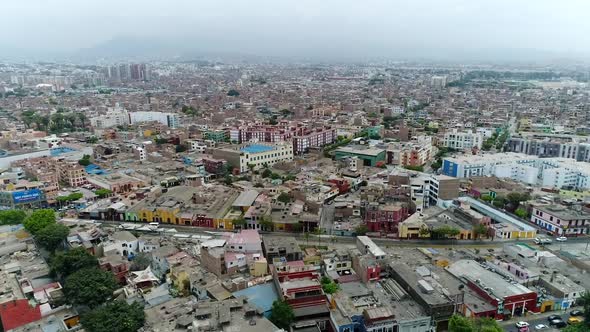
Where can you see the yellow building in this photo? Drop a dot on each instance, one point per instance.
(259, 267)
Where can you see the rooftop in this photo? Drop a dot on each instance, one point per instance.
(257, 148)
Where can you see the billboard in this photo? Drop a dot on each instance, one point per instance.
(26, 196)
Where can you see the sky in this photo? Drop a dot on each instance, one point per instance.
(371, 28)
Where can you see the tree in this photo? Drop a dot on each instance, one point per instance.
(460, 324)
(486, 198)
(64, 263)
(90, 286)
(499, 202)
(521, 213)
(584, 300)
(85, 161)
(487, 325)
(180, 148)
(12, 217)
(329, 287)
(424, 232)
(114, 316)
(102, 193)
(233, 93)
(52, 236)
(284, 198)
(140, 262)
(240, 221)
(266, 223)
(38, 220)
(266, 173)
(414, 168)
(361, 230)
(281, 314)
(92, 140)
(480, 230)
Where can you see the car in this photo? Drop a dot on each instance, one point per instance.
(522, 324)
(558, 323)
(542, 240)
(554, 317)
(561, 239)
(576, 313)
(574, 320)
(539, 327)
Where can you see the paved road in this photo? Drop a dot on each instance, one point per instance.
(535, 319)
(347, 239)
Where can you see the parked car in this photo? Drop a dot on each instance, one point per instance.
(553, 317)
(576, 313)
(522, 324)
(574, 320)
(542, 240)
(559, 323)
(539, 327)
(561, 239)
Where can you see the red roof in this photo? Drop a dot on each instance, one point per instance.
(18, 313)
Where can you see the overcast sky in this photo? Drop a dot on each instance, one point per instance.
(279, 27)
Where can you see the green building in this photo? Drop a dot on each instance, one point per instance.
(216, 135)
(370, 156)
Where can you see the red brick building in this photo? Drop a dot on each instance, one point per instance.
(386, 218)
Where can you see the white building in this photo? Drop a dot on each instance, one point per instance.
(197, 146)
(547, 172)
(169, 119)
(260, 155)
(438, 82)
(462, 140)
(122, 243)
(115, 116)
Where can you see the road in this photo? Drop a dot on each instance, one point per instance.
(533, 320)
(486, 243)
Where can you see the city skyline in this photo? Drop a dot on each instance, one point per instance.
(450, 30)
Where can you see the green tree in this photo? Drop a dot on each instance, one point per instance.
(12, 217)
(180, 148)
(486, 325)
(90, 287)
(239, 223)
(64, 263)
(329, 287)
(233, 93)
(480, 230)
(38, 220)
(281, 314)
(361, 230)
(460, 324)
(521, 213)
(102, 193)
(140, 261)
(284, 198)
(584, 300)
(114, 316)
(486, 198)
(266, 223)
(52, 236)
(266, 173)
(414, 168)
(85, 161)
(499, 202)
(92, 140)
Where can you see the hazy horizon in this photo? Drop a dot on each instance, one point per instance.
(304, 28)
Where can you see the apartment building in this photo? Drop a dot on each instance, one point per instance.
(168, 119)
(255, 155)
(115, 116)
(462, 140)
(562, 220)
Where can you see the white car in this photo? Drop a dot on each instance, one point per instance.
(541, 327)
(561, 239)
(522, 324)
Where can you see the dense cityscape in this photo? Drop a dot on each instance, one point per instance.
(254, 194)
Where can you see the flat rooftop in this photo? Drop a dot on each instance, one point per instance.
(257, 148)
(492, 282)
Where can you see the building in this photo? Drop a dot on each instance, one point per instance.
(302, 136)
(551, 146)
(115, 116)
(16, 313)
(216, 135)
(438, 82)
(509, 298)
(299, 285)
(562, 220)
(168, 119)
(466, 140)
(547, 172)
(369, 155)
(384, 218)
(255, 155)
(277, 248)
